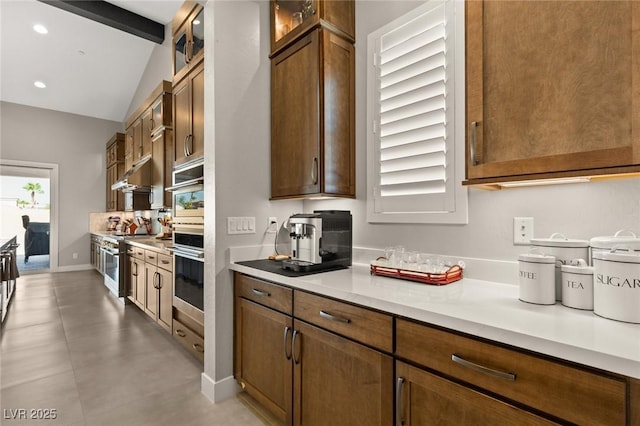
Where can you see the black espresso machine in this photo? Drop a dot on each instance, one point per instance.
(320, 241)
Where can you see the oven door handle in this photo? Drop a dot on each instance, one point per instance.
(108, 251)
(193, 255)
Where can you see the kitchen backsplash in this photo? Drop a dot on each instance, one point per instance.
(99, 221)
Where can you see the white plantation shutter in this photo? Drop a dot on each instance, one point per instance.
(411, 89)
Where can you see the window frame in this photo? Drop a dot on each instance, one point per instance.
(456, 194)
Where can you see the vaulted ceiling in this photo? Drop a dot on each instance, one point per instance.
(88, 68)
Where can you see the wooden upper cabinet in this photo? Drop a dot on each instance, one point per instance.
(313, 118)
(552, 88)
(188, 38)
(146, 123)
(188, 115)
(115, 161)
(290, 19)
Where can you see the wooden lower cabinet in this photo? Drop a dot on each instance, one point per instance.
(575, 395)
(159, 289)
(135, 279)
(338, 381)
(263, 365)
(150, 284)
(423, 398)
(303, 374)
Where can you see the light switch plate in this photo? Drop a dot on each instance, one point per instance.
(522, 230)
(241, 225)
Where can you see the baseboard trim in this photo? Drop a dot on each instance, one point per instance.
(218, 391)
(73, 268)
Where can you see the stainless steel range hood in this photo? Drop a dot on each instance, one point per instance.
(139, 176)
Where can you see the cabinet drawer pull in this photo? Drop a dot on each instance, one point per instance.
(472, 142)
(399, 404)
(296, 353)
(260, 292)
(181, 333)
(287, 353)
(482, 369)
(328, 316)
(198, 347)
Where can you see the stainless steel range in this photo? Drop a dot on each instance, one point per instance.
(113, 253)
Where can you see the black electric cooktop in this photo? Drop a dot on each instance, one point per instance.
(275, 267)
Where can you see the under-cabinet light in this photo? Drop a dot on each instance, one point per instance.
(543, 182)
(39, 84)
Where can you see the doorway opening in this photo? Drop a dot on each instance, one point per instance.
(26, 203)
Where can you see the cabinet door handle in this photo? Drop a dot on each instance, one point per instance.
(260, 292)
(314, 171)
(330, 317)
(287, 353)
(181, 333)
(198, 347)
(151, 197)
(184, 146)
(190, 146)
(399, 402)
(472, 142)
(135, 274)
(294, 339)
(482, 369)
(184, 52)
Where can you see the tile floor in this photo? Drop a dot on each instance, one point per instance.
(67, 345)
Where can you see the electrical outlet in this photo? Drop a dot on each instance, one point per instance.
(272, 225)
(75, 255)
(522, 230)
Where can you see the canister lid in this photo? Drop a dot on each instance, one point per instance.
(536, 258)
(621, 238)
(559, 240)
(573, 269)
(617, 255)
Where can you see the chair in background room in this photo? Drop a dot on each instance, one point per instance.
(36, 238)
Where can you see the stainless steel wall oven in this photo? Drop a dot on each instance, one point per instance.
(188, 239)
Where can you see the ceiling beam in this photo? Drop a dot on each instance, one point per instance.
(113, 16)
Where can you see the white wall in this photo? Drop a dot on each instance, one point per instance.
(77, 144)
(158, 68)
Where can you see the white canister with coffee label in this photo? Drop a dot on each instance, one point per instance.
(577, 285)
(537, 278)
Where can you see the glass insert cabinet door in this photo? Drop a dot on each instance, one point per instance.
(180, 51)
(197, 34)
(289, 14)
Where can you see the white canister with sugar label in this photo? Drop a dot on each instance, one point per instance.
(577, 285)
(616, 285)
(537, 278)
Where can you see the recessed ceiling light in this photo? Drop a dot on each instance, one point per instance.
(196, 22)
(40, 29)
(39, 84)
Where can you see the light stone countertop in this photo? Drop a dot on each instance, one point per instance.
(484, 309)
